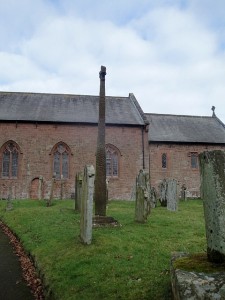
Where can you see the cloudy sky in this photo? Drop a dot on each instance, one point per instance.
(169, 53)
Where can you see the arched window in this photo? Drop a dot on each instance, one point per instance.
(164, 161)
(10, 157)
(61, 161)
(112, 161)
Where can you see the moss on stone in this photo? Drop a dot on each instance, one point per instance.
(198, 263)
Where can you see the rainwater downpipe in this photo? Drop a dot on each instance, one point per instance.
(143, 148)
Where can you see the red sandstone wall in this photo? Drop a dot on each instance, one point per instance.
(179, 165)
(37, 141)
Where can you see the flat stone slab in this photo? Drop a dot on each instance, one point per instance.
(191, 285)
(104, 221)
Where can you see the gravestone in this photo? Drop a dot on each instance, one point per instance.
(9, 205)
(78, 190)
(153, 197)
(171, 195)
(142, 203)
(133, 193)
(40, 184)
(49, 201)
(87, 205)
(62, 183)
(183, 192)
(168, 194)
(212, 169)
(162, 193)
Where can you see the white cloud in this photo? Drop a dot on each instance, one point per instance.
(166, 55)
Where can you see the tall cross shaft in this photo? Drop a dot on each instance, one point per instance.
(100, 194)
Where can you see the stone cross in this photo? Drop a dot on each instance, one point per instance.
(100, 181)
(142, 202)
(212, 169)
(87, 205)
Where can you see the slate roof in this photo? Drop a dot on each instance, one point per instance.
(40, 107)
(185, 129)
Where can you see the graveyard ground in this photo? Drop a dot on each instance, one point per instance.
(127, 262)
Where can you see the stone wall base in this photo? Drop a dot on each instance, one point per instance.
(188, 285)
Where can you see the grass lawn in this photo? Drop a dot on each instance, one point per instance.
(129, 262)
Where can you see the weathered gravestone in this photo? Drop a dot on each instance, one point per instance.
(168, 194)
(142, 203)
(212, 166)
(153, 197)
(78, 190)
(9, 205)
(162, 193)
(183, 192)
(40, 187)
(49, 201)
(87, 205)
(171, 195)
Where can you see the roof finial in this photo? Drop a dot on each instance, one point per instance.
(213, 109)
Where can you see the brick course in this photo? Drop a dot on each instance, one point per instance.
(36, 142)
(179, 165)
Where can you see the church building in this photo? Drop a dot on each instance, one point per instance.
(175, 141)
(51, 135)
(46, 136)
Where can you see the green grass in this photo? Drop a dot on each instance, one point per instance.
(127, 262)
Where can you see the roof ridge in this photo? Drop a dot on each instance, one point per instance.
(58, 94)
(173, 115)
(45, 93)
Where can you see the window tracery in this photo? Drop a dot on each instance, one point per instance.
(112, 161)
(10, 158)
(61, 161)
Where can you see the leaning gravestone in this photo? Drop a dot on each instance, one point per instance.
(212, 166)
(171, 195)
(78, 190)
(142, 203)
(87, 205)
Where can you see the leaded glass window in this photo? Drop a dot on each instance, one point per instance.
(10, 159)
(112, 163)
(194, 160)
(61, 162)
(164, 161)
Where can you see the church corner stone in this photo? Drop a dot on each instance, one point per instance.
(87, 205)
(212, 167)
